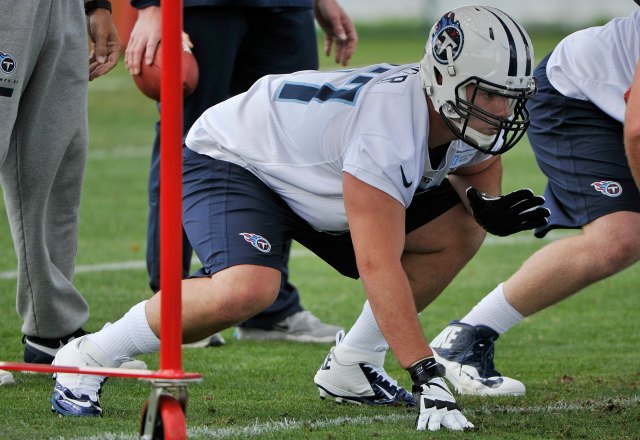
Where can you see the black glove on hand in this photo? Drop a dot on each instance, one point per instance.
(436, 405)
(508, 214)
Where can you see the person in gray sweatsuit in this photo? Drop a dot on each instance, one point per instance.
(44, 68)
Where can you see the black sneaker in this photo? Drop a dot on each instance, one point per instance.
(467, 353)
(42, 350)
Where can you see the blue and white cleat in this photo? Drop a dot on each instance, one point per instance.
(467, 352)
(66, 403)
(79, 394)
(358, 376)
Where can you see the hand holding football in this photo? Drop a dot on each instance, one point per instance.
(148, 81)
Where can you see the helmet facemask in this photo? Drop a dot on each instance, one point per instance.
(508, 130)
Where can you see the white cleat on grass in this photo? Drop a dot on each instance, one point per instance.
(467, 353)
(358, 376)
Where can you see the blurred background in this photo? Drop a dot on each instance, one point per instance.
(565, 14)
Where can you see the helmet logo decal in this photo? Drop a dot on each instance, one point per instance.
(608, 188)
(447, 35)
(257, 241)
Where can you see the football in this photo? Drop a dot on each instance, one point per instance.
(148, 80)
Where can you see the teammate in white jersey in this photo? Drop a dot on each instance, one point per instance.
(578, 120)
(352, 165)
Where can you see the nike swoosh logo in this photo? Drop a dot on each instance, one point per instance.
(82, 403)
(385, 392)
(405, 182)
(49, 350)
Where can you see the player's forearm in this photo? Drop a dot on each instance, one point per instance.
(393, 306)
(486, 177)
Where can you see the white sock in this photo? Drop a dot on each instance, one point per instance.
(365, 333)
(127, 337)
(494, 311)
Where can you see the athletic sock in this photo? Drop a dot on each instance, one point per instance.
(127, 337)
(365, 333)
(494, 311)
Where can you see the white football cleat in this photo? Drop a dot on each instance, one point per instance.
(79, 394)
(357, 376)
(467, 353)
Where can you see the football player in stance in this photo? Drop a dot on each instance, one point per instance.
(577, 133)
(352, 164)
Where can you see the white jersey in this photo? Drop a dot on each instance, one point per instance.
(299, 132)
(597, 64)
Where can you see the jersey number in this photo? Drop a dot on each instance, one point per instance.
(305, 92)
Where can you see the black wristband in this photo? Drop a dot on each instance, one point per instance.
(92, 5)
(424, 370)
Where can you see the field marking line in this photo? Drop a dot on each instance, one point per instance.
(121, 152)
(295, 253)
(292, 424)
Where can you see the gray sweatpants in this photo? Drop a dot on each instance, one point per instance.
(43, 149)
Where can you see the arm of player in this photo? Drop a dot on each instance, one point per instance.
(337, 26)
(105, 42)
(632, 127)
(145, 38)
(376, 222)
(485, 176)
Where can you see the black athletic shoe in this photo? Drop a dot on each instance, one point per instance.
(42, 350)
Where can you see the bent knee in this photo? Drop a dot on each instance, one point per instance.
(249, 289)
(615, 238)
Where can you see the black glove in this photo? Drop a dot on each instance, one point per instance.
(508, 214)
(436, 405)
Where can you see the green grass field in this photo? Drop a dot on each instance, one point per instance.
(579, 359)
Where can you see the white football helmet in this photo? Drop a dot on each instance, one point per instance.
(486, 49)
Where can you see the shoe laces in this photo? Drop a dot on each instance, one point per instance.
(482, 351)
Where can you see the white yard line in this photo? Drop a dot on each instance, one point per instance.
(290, 425)
(120, 153)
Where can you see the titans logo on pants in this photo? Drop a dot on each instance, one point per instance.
(7, 63)
(257, 241)
(608, 188)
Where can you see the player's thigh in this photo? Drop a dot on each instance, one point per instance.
(230, 217)
(437, 220)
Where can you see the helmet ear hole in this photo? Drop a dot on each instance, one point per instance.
(437, 75)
